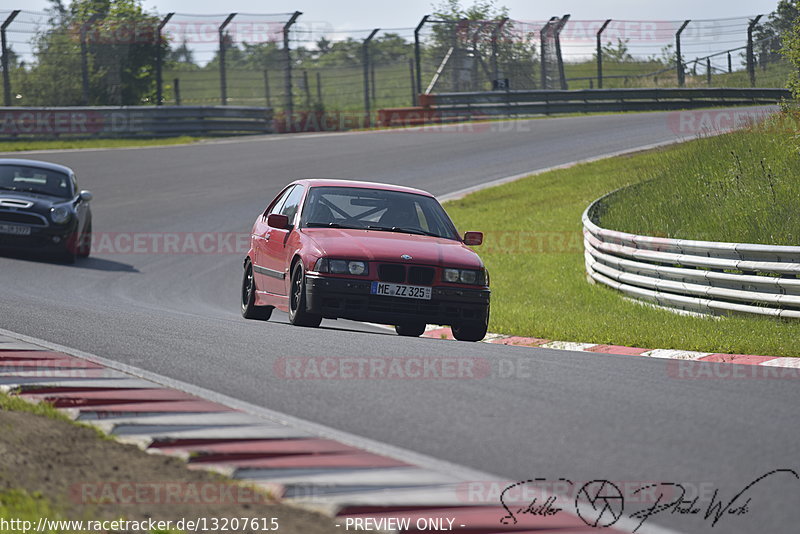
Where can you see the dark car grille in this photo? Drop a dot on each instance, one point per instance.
(420, 276)
(389, 272)
(23, 218)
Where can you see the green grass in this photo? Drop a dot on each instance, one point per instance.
(534, 252)
(12, 403)
(57, 144)
(742, 188)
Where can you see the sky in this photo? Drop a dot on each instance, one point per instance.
(355, 14)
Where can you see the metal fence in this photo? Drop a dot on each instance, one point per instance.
(696, 276)
(290, 62)
(133, 121)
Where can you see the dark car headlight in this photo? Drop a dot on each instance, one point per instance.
(356, 268)
(60, 214)
(465, 276)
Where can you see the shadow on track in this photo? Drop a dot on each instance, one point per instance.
(92, 263)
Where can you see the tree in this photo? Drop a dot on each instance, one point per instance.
(769, 35)
(471, 36)
(120, 44)
(791, 50)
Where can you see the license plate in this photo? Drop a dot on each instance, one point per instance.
(15, 230)
(401, 290)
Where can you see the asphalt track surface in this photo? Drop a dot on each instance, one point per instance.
(560, 414)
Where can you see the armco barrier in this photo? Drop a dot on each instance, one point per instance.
(699, 276)
(598, 100)
(133, 121)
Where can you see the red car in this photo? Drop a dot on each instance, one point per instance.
(330, 249)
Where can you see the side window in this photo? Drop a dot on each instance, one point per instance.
(276, 207)
(292, 202)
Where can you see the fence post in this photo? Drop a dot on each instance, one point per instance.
(365, 64)
(751, 60)
(160, 60)
(681, 74)
(319, 89)
(307, 89)
(559, 57)
(411, 72)
(288, 74)
(223, 85)
(543, 33)
(418, 57)
(177, 90)
(267, 93)
(730, 63)
(708, 71)
(600, 53)
(85, 60)
(6, 74)
(497, 29)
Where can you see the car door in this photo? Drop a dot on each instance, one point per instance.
(276, 245)
(261, 235)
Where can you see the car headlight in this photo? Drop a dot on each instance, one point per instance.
(465, 276)
(356, 268)
(60, 214)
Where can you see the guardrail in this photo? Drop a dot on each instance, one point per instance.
(598, 100)
(133, 121)
(699, 276)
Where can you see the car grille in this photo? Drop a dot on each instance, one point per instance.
(390, 272)
(420, 276)
(22, 218)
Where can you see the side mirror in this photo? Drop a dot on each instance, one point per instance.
(276, 220)
(86, 196)
(473, 239)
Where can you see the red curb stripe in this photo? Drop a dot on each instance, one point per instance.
(618, 349)
(101, 398)
(47, 364)
(520, 341)
(743, 359)
(188, 406)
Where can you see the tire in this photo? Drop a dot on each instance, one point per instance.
(298, 315)
(249, 308)
(410, 329)
(472, 331)
(84, 245)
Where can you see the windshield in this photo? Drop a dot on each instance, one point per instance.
(376, 209)
(34, 180)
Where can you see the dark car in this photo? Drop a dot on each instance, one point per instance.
(328, 249)
(42, 210)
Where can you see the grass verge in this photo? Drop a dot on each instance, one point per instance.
(56, 469)
(58, 144)
(534, 252)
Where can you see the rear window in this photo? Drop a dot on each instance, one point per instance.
(35, 180)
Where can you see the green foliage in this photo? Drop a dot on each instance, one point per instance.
(540, 249)
(740, 187)
(119, 39)
(791, 51)
(770, 35)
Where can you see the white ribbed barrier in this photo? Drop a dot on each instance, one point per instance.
(699, 276)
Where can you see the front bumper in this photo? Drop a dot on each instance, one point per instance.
(45, 239)
(344, 298)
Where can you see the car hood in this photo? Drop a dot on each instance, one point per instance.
(373, 245)
(41, 203)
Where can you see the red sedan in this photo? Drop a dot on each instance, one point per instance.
(330, 249)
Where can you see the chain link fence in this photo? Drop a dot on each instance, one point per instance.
(293, 64)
